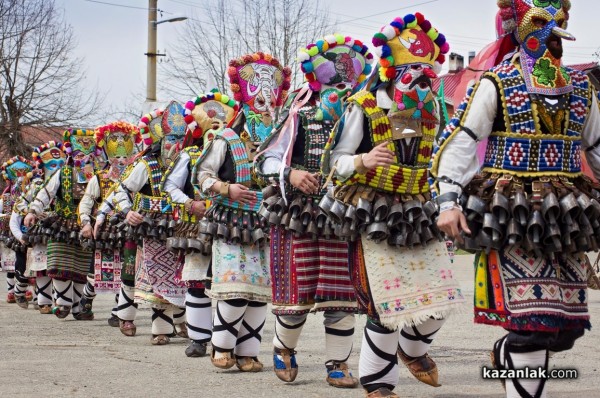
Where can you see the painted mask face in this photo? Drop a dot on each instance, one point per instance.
(119, 144)
(260, 85)
(331, 101)
(338, 65)
(541, 25)
(173, 127)
(17, 170)
(52, 160)
(413, 96)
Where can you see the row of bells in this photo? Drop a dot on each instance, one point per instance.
(548, 227)
(187, 238)
(400, 224)
(55, 228)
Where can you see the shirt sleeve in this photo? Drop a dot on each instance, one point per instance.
(133, 183)
(344, 153)
(86, 205)
(175, 181)
(46, 193)
(591, 137)
(15, 225)
(214, 158)
(458, 159)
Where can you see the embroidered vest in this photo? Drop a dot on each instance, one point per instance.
(157, 202)
(399, 178)
(7, 205)
(194, 154)
(242, 170)
(65, 203)
(316, 134)
(523, 149)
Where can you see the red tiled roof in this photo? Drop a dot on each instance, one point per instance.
(452, 80)
(35, 136)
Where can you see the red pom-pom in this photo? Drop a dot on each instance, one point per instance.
(384, 62)
(420, 18)
(390, 73)
(197, 134)
(358, 43)
(188, 119)
(441, 58)
(311, 77)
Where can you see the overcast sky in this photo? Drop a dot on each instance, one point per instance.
(112, 39)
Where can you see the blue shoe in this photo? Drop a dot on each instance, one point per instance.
(284, 364)
(339, 376)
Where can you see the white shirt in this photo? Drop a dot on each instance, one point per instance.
(175, 182)
(208, 169)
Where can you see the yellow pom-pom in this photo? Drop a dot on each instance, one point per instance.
(340, 39)
(412, 24)
(325, 46)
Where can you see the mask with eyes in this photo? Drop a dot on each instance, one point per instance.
(82, 151)
(49, 158)
(16, 171)
(331, 101)
(209, 113)
(260, 84)
(118, 140)
(539, 26)
(412, 51)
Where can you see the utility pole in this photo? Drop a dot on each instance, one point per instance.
(151, 54)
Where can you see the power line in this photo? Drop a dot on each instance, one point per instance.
(125, 6)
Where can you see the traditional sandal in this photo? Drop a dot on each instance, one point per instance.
(61, 311)
(45, 309)
(160, 339)
(423, 368)
(22, 302)
(113, 321)
(223, 362)
(248, 364)
(196, 349)
(382, 392)
(284, 364)
(84, 316)
(10, 298)
(183, 331)
(341, 377)
(128, 328)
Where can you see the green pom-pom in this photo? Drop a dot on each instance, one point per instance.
(224, 98)
(340, 39)
(313, 51)
(381, 36)
(231, 103)
(412, 24)
(433, 33)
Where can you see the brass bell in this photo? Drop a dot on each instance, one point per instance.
(337, 212)
(363, 210)
(296, 226)
(321, 219)
(269, 202)
(307, 213)
(412, 211)
(296, 207)
(263, 212)
(246, 237)
(475, 209)
(570, 208)
(396, 215)
(550, 208)
(514, 231)
(235, 236)
(519, 208)
(222, 231)
(285, 220)
(381, 209)
(377, 232)
(274, 219)
(195, 245)
(258, 237)
(587, 206)
(535, 228)
(312, 230)
(552, 238)
(492, 227)
(397, 240)
(326, 202)
(500, 208)
(269, 191)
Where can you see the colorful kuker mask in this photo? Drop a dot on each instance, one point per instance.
(260, 84)
(118, 141)
(208, 114)
(49, 158)
(16, 171)
(80, 146)
(535, 24)
(333, 67)
(412, 51)
(165, 127)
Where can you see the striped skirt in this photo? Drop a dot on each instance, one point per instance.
(310, 275)
(68, 262)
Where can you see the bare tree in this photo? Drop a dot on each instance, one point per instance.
(226, 29)
(40, 80)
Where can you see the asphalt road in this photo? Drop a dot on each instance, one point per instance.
(42, 356)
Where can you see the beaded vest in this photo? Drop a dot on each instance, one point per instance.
(156, 202)
(407, 174)
(523, 149)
